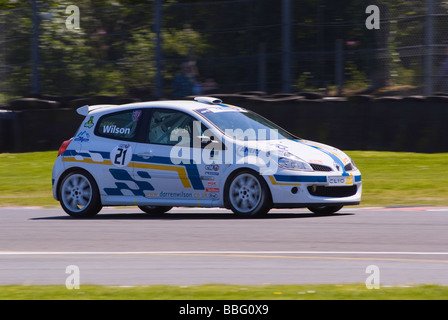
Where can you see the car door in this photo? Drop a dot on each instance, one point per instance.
(115, 136)
(167, 160)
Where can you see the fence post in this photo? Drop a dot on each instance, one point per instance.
(158, 48)
(286, 46)
(35, 59)
(429, 42)
(262, 67)
(339, 65)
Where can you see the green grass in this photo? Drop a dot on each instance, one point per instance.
(226, 292)
(389, 178)
(26, 179)
(400, 178)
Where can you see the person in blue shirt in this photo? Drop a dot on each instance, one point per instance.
(442, 75)
(184, 82)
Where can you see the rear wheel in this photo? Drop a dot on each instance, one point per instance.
(155, 210)
(324, 210)
(79, 196)
(247, 194)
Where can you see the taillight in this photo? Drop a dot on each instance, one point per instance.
(64, 146)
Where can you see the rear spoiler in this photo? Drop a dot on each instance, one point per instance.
(85, 110)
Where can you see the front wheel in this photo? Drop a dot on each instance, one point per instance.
(325, 210)
(248, 194)
(79, 196)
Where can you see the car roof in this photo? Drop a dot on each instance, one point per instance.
(185, 105)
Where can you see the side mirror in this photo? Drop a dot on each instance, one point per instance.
(206, 140)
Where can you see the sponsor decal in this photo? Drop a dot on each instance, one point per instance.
(213, 196)
(181, 194)
(212, 189)
(82, 137)
(89, 124)
(245, 151)
(116, 130)
(340, 181)
(136, 115)
(212, 167)
(177, 195)
(121, 155)
(211, 183)
(149, 194)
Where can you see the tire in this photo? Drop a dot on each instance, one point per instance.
(155, 210)
(247, 194)
(79, 195)
(325, 210)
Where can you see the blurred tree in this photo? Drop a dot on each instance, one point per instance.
(114, 47)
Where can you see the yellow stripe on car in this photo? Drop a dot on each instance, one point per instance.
(180, 170)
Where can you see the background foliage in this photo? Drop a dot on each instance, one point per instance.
(237, 42)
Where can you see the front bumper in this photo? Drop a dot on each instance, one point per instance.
(301, 191)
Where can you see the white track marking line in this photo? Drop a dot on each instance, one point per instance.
(218, 252)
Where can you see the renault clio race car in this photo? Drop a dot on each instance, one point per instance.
(200, 153)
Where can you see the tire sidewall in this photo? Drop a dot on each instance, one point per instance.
(155, 210)
(94, 205)
(263, 206)
(325, 210)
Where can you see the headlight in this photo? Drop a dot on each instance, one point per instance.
(293, 164)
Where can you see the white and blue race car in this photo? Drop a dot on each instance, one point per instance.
(201, 153)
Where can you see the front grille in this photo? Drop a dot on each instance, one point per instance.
(332, 192)
(348, 167)
(319, 167)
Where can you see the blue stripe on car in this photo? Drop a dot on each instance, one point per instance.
(285, 178)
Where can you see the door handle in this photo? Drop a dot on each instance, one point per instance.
(145, 155)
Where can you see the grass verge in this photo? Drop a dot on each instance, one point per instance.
(389, 178)
(26, 179)
(401, 178)
(226, 292)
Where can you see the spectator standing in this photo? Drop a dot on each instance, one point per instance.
(443, 74)
(184, 82)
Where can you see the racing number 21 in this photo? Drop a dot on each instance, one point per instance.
(121, 155)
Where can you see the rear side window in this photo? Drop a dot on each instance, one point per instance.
(119, 125)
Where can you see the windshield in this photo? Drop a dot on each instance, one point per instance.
(245, 125)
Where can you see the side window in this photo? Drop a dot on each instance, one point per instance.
(171, 127)
(119, 125)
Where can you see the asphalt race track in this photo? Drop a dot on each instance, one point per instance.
(200, 246)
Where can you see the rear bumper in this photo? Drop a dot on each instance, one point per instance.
(58, 169)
